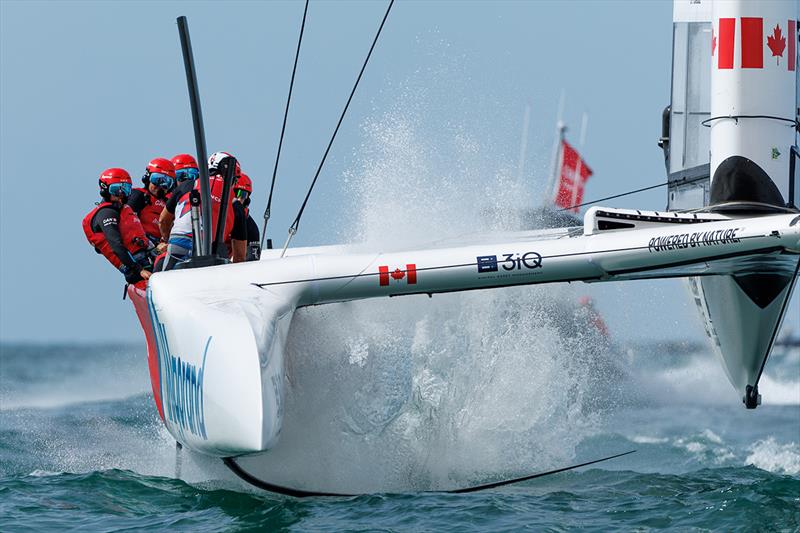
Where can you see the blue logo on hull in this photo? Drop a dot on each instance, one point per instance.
(181, 384)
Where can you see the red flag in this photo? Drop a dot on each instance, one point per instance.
(752, 42)
(725, 39)
(410, 274)
(574, 173)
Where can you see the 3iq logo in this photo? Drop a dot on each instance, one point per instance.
(513, 261)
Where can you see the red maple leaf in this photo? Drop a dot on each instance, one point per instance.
(398, 274)
(713, 42)
(777, 43)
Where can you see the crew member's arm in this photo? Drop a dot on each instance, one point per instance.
(165, 222)
(108, 221)
(239, 233)
(167, 217)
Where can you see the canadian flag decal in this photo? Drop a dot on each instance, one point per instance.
(409, 274)
(752, 40)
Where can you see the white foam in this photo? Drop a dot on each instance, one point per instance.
(713, 437)
(774, 457)
(706, 445)
(644, 439)
(44, 473)
(417, 393)
(779, 392)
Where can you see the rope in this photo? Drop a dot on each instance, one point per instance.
(681, 181)
(296, 223)
(794, 122)
(267, 211)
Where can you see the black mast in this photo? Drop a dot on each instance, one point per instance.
(202, 241)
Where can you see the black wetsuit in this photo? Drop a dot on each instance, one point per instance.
(177, 193)
(253, 240)
(137, 200)
(107, 220)
(239, 231)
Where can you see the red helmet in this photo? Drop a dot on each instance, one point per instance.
(159, 165)
(216, 158)
(115, 181)
(244, 183)
(182, 161)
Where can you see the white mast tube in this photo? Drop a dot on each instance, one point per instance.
(753, 91)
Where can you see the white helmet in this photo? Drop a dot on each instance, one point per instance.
(215, 160)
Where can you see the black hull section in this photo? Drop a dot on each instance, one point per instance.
(738, 179)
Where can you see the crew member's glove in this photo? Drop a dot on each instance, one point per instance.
(144, 259)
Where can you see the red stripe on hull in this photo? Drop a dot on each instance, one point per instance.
(138, 298)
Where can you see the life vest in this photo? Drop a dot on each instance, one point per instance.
(217, 186)
(150, 213)
(130, 228)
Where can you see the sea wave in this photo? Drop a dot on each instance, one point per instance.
(772, 456)
(709, 499)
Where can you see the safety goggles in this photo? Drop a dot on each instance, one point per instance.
(187, 174)
(161, 180)
(119, 189)
(241, 194)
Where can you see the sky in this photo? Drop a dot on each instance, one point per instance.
(89, 85)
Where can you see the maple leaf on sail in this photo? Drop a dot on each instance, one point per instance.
(777, 43)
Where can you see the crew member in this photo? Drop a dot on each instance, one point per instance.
(114, 229)
(235, 229)
(148, 202)
(186, 173)
(242, 192)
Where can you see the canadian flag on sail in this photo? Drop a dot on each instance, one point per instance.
(572, 178)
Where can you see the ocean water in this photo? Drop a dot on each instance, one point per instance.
(82, 447)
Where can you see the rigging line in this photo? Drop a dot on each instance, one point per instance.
(231, 463)
(296, 223)
(267, 211)
(778, 325)
(681, 181)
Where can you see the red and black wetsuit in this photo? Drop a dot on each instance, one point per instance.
(148, 207)
(116, 232)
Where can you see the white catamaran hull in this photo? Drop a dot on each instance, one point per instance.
(219, 333)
